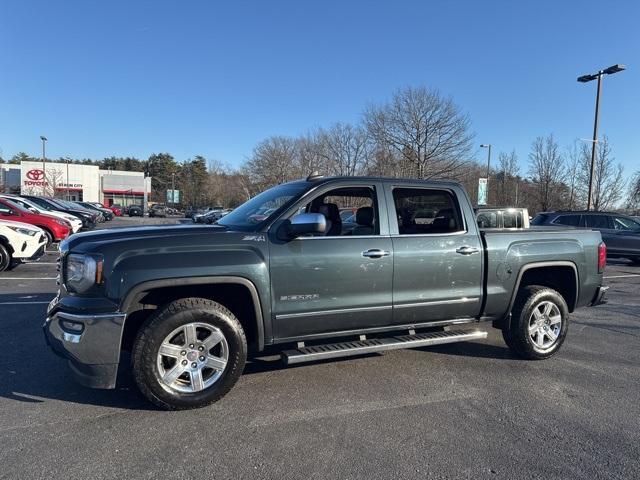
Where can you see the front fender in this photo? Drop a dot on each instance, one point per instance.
(139, 290)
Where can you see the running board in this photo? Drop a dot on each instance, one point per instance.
(360, 347)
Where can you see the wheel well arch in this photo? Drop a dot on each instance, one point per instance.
(7, 244)
(561, 276)
(48, 230)
(238, 294)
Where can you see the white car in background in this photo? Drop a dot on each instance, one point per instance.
(20, 242)
(76, 223)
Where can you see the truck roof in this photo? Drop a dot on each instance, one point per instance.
(319, 180)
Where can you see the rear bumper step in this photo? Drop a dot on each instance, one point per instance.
(360, 347)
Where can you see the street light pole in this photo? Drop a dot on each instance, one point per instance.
(173, 188)
(487, 145)
(584, 79)
(44, 158)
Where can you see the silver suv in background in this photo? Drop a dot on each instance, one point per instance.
(620, 232)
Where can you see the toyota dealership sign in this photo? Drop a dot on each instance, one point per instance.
(35, 178)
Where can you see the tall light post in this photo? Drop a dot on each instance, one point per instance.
(584, 79)
(488, 146)
(44, 159)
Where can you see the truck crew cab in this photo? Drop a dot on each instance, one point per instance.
(191, 303)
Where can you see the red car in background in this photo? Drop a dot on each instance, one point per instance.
(54, 228)
(116, 209)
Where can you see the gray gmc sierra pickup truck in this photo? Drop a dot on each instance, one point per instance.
(284, 273)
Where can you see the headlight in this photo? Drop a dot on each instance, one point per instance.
(82, 272)
(62, 222)
(23, 231)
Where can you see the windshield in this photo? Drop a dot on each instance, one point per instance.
(17, 206)
(261, 208)
(540, 219)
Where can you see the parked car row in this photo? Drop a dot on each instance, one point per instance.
(621, 233)
(29, 223)
(210, 216)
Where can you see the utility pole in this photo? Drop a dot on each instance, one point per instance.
(44, 171)
(173, 188)
(67, 178)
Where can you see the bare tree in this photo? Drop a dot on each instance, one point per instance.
(633, 203)
(608, 181)
(274, 161)
(426, 131)
(573, 180)
(507, 178)
(546, 169)
(345, 148)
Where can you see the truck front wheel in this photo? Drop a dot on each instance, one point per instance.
(189, 354)
(539, 323)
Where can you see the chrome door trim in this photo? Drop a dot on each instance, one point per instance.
(333, 312)
(438, 302)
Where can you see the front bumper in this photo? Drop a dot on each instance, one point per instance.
(599, 297)
(32, 249)
(37, 255)
(90, 342)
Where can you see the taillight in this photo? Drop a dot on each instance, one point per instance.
(602, 257)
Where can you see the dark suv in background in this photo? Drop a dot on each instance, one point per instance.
(620, 232)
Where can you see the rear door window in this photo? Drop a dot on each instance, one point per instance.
(597, 221)
(625, 224)
(425, 211)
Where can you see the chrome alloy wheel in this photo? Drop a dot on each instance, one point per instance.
(192, 358)
(545, 324)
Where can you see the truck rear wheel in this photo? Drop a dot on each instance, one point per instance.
(189, 354)
(539, 323)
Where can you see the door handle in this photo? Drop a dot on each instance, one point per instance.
(376, 253)
(467, 250)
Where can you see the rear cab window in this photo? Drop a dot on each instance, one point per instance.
(487, 219)
(512, 219)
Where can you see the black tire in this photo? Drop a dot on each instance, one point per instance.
(14, 263)
(5, 258)
(519, 338)
(162, 323)
(49, 236)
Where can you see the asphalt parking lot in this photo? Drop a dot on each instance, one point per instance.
(468, 410)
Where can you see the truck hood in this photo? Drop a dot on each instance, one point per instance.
(87, 241)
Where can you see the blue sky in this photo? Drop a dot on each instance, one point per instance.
(214, 78)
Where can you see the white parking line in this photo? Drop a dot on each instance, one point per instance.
(24, 303)
(27, 278)
(622, 276)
